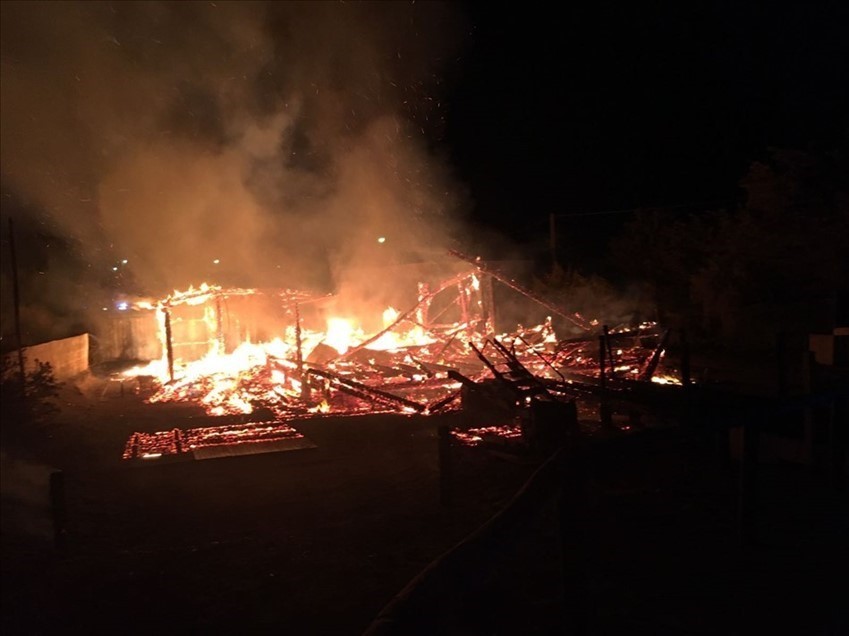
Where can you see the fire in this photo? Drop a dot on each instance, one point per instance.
(340, 334)
(390, 315)
(230, 364)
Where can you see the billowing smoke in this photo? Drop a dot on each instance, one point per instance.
(280, 140)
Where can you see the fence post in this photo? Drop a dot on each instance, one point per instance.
(604, 407)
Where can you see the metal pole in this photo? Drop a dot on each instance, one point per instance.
(17, 302)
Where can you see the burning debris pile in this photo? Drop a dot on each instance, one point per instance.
(195, 440)
(427, 359)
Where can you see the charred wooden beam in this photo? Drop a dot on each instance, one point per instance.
(437, 406)
(495, 372)
(421, 367)
(541, 357)
(372, 393)
(169, 347)
(404, 316)
(651, 365)
(532, 382)
(574, 319)
(462, 379)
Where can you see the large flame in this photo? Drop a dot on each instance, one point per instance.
(402, 367)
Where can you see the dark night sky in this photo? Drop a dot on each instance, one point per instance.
(605, 106)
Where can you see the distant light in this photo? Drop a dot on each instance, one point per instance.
(124, 262)
(106, 309)
(122, 306)
(114, 269)
(381, 239)
(216, 261)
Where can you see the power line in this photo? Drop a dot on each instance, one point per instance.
(645, 208)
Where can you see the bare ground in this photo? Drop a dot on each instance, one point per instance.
(318, 541)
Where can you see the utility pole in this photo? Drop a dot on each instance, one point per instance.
(17, 302)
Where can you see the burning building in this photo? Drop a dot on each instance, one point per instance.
(284, 354)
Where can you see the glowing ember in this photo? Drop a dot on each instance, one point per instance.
(665, 379)
(477, 436)
(176, 441)
(228, 365)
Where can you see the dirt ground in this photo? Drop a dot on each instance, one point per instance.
(314, 541)
(317, 541)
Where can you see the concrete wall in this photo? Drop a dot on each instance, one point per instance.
(68, 357)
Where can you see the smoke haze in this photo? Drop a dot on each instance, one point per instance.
(281, 139)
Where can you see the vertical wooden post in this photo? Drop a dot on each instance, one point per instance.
(604, 408)
(16, 298)
(445, 467)
(611, 362)
(487, 303)
(602, 374)
(463, 298)
(169, 348)
(219, 324)
(299, 345)
(423, 308)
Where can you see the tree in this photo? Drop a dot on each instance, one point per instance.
(26, 412)
(784, 249)
(757, 269)
(663, 251)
